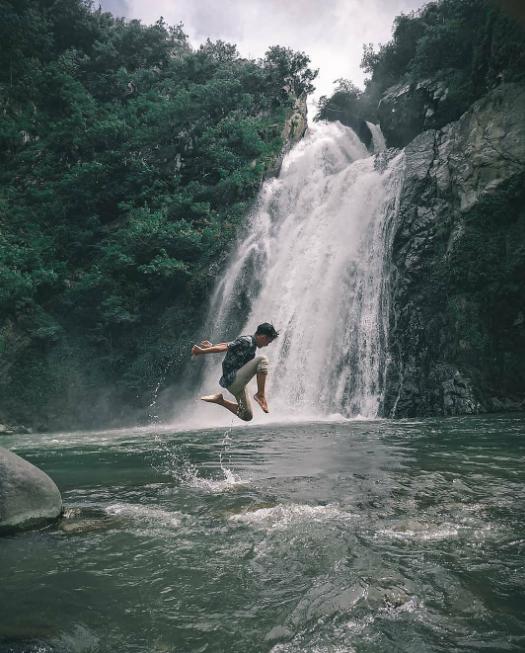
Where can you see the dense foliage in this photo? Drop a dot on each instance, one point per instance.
(127, 161)
(473, 45)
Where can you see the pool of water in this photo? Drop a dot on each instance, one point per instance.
(365, 536)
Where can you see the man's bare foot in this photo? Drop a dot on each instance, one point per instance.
(262, 402)
(213, 399)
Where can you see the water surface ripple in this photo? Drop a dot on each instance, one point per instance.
(354, 536)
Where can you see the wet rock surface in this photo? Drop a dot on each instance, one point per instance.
(294, 129)
(10, 429)
(457, 337)
(407, 109)
(28, 497)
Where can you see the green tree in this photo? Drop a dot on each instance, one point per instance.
(128, 162)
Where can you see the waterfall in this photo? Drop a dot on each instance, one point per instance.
(378, 140)
(313, 263)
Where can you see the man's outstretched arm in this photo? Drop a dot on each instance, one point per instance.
(205, 347)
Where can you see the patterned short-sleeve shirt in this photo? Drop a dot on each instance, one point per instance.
(240, 351)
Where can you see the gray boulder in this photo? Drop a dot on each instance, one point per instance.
(28, 497)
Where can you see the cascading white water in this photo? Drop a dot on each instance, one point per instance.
(378, 140)
(313, 264)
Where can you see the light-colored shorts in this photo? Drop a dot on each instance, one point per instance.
(242, 377)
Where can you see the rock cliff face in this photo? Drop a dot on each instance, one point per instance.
(457, 325)
(296, 123)
(405, 110)
(293, 130)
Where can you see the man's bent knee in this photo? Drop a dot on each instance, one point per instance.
(262, 364)
(245, 414)
(244, 411)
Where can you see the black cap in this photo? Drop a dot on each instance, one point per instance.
(266, 329)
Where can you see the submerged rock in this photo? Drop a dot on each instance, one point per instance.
(28, 497)
(6, 429)
(77, 521)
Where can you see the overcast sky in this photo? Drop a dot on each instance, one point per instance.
(331, 32)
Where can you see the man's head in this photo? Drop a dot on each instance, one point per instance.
(265, 334)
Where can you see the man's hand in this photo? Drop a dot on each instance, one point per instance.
(200, 348)
(205, 347)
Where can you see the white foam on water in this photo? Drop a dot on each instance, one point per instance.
(358, 626)
(341, 634)
(292, 647)
(410, 606)
(230, 482)
(464, 526)
(328, 648)
(130, 439)
(150, 515)
(421, 533)
(209, 417)
(80, 640)
(282, 516)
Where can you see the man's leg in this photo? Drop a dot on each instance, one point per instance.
(244, 410)
(257, 366)
(260, 397)
(241, 409)
(221, 401)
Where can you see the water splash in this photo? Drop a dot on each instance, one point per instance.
(153, 408)
(314, 262)
(229, 475)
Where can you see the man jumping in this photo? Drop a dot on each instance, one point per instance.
(239, 366)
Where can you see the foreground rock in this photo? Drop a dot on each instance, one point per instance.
(457, 331)
(28, 497)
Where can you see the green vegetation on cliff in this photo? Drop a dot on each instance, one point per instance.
(127, 162)
(470, 46)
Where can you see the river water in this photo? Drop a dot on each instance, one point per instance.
(335, 536)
